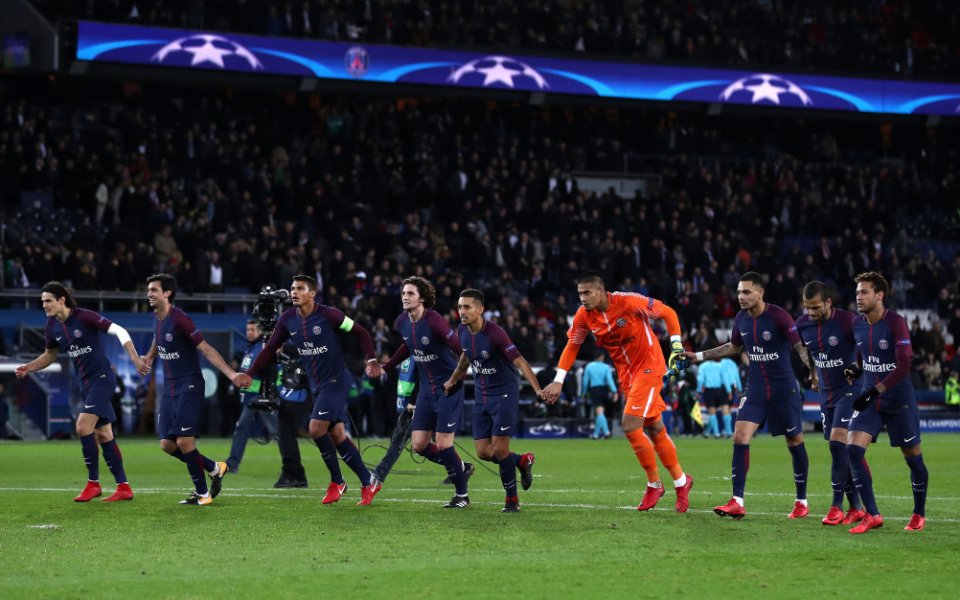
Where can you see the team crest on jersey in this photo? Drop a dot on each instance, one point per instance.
(484, 354)
(621, 322)
(316, 330)
(77, 333)
(425, 340)
(832, 340)
(767, 336)
(884, 344)
(168, 337)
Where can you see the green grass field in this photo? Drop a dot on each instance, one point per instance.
(577, 536)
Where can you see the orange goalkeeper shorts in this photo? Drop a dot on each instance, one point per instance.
(643, 399)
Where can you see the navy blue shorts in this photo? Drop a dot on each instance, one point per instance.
(330, 399)
(496, 417)
(783, 414)
(181, 408)
(837, 411)
(903, 426)
(438, 412)
(96, 399)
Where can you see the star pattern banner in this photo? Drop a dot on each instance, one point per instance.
(237, 53)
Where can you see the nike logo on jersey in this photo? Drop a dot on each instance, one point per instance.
(59, 338)
(451, 424)
(844, 420)
(592, 330)
(859, 343)
(505, 428)
(909, 439)
(405, 338)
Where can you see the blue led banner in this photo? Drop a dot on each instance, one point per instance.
(238, 53)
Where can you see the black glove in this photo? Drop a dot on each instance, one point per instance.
(853, 372)
(865, 398)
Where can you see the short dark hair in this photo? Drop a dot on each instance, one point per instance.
(167, 283)
(252, 322)
(310, 281)
(817, 289)
(878, 281)
(475, 294)
(591, 277)
(753, 277)
(59, 291)
(428, 293)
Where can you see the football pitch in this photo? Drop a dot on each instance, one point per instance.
(578, 535)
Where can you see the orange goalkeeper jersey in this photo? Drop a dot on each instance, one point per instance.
(624, 331)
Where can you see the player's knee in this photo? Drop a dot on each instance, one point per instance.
(485, 454)
(419, 446)
(317, 429)
(104, 435)
(168, 446)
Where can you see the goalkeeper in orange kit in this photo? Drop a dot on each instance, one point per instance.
(621, 323)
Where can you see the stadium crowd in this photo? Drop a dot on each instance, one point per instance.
(894, 37)
(231, 192)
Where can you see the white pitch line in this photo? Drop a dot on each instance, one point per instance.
(438, 501)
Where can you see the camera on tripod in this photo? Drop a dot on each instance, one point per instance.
(266, 312)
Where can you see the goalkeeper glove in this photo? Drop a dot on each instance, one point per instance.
(864, 399)
(678, 359)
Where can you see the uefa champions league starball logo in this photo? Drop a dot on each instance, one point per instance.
(209, 48)
(497, 69)
(763, 86)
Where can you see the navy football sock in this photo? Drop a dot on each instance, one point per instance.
(918, 477)
(508, 476)
(862, 479)
(111, 454)
(449, 459)
(432, 453)
(328, 453)
(801, 464)
(208, 465)
(851, 490)
(178, 454)
(195, 468)
(741, 464)
(839, 471)
(348, 451)
(91, 456)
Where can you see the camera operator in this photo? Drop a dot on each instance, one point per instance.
(294, 416)
(251, 413)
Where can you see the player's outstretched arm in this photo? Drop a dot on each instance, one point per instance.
(462, 363)
(38, 364)
(121, 334)
(804, 355)
(211, 354)
(528, 374)
(728, 349)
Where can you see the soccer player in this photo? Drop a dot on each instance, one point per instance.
(621, 323)
(434, 347)
(886, 398)
(488, 349)
(76, 331)
(768, 333)
(313, 327)
(249, 415)
(177, 341)
(828, 334)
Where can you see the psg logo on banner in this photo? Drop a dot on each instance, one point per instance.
(884, 344)
(316, 330)
(356, 61)
(767, 336)
(832, 340)
(77, 333)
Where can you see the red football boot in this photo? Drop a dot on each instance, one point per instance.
(916, 523)
(334, 491)
(683, 495)
(651, 497)
(869, 522)
(91, 491)
(731, 509)
(854, 515)
(834, 516)
(367, 492)
(800, 510)
(123, 493)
